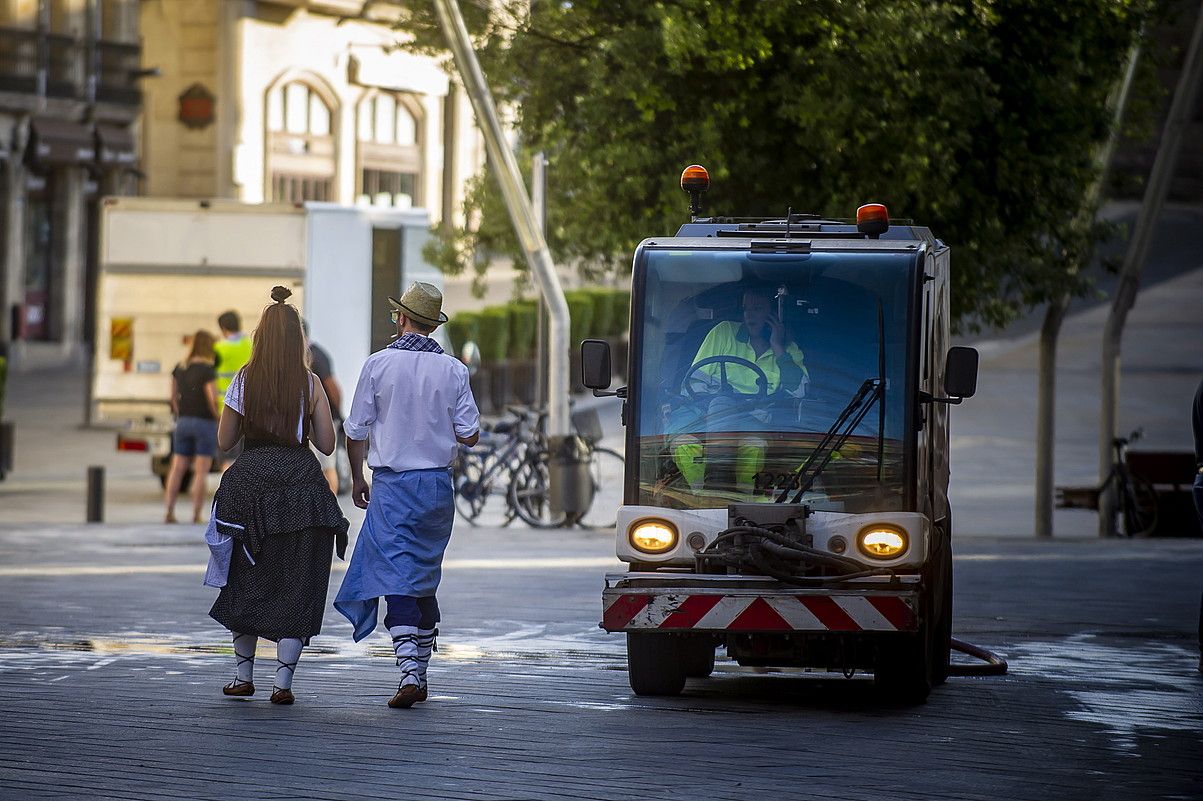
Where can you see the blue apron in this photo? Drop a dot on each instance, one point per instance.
(401, 544)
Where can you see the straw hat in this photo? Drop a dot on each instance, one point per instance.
(422, 302)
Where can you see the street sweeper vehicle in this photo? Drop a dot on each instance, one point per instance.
(787, 450)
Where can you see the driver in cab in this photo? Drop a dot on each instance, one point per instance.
(743, 357)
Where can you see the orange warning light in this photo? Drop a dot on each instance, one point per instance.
(694, 178)
(872, 219)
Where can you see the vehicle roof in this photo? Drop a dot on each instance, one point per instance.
(806, 227)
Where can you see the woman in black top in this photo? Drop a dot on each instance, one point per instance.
(194, 404)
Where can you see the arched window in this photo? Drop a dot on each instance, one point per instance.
(390, 151)
(300, 144)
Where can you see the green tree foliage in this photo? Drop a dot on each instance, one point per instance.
(978, 118)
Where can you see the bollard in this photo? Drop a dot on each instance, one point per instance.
(95, 494)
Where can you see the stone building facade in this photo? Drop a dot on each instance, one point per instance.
(70, 100)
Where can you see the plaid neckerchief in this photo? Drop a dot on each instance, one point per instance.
(415, 342)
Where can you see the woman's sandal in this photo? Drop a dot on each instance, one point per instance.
(239, 688)
(282, 696)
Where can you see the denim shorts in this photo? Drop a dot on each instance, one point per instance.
(194, 436)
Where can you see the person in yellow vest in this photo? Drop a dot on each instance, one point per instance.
(760, 339)
(233, 352)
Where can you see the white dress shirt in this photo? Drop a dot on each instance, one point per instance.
(412, 405)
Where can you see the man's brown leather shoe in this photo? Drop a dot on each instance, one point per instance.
(407, 696)
(239, 688)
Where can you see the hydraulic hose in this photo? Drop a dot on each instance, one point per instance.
(995, 664)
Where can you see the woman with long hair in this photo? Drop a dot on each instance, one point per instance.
(275, 521)
(194, 405)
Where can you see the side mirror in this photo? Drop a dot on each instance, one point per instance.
(470, 355)
(595, 364)
(960, 372)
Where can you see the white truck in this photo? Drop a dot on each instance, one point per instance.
(168, 267)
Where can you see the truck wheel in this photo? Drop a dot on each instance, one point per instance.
(698, 657)
(654, 664)
(904, 671)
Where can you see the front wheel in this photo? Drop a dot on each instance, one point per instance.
(529, 493)
(654, 664)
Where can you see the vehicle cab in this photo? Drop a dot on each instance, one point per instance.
(786, 490)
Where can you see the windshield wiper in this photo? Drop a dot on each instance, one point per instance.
(871, 391)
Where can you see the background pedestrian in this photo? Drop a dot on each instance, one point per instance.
(194, 407)
(323, 367)
(275, 520)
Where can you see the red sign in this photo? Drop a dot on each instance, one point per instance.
(197, 106)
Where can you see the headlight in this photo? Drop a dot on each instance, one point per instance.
(881, 541)
(652, 536)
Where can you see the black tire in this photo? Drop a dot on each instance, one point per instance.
(903, 672)
(529, 493)
(698, 657)
(1139, 502)
(654, 664)
(942, 635)
(606, 470)
(470, 494)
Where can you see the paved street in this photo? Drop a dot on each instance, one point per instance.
(111, 669)
(111, 676)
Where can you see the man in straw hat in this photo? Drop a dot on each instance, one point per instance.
(412, 405)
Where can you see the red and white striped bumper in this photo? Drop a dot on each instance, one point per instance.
(752, 611)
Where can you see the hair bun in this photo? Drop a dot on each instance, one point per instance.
(281, 293)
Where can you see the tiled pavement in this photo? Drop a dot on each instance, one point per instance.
(110, 674)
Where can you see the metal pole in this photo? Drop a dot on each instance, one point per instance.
(1054, 315)
(95, 494)
(538, 196)
(1181, 108)
(518, 204)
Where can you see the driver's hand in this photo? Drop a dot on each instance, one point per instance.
(776, 335)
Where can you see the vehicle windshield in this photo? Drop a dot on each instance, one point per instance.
(748, 359)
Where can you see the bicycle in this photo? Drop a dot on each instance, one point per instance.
(476, 471)
(1136, 498)
(529, 491)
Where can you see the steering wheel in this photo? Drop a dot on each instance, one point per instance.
(762, 380)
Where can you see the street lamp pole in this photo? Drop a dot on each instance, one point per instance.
(530, 235)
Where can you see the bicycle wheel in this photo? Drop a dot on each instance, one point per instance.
(606, 470)
(470, 495)
(1139, 501)
(528, 493)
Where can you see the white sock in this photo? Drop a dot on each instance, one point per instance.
(288, 653)
(413, 647)
(244, 653)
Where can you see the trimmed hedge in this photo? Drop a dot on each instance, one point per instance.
(603, 314)
(523, 322)
(494, 334)
(463, 328)
(580, 308)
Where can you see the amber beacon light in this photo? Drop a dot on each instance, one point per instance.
(872, 219)
(695, 180)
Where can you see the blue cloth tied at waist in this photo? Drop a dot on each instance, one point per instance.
(401, 543)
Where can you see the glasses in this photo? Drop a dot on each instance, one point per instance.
(394, 315)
